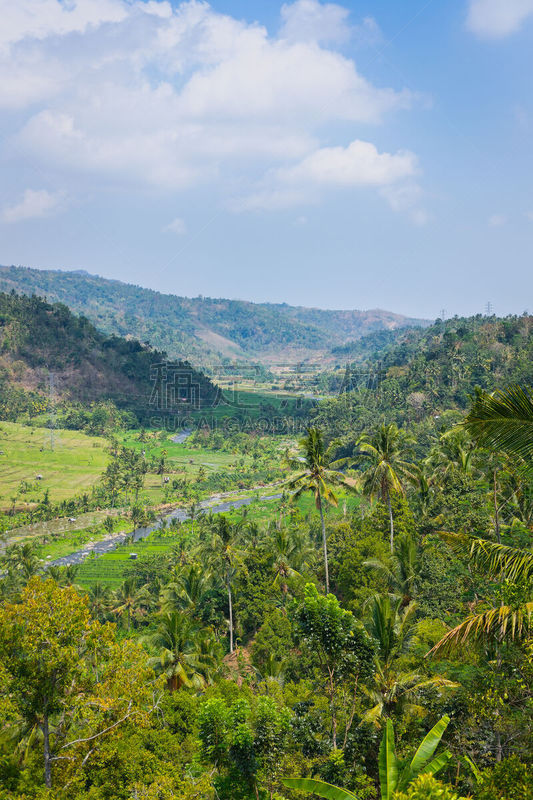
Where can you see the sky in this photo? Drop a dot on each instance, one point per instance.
(372, 154)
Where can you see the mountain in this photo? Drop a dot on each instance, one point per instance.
(202, 329)
(37, 338)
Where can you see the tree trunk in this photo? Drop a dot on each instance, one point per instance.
(47, 754)
(324, 541)
(391, 518)
(230, 604)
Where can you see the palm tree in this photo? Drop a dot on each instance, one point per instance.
(186, 591)
(194, 510)
(99, 600)
(387, 470)
(223, 556)
(504, 622)
(128, 600)
(401, 571)
(454, 451)
(317, 474)
(186, 656)
(395, 689)
(503, 421)
(290, 551)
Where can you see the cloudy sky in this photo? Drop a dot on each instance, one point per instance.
(354, 155)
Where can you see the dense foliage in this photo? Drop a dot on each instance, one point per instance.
(217, 666)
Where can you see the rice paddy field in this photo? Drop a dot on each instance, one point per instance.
(109, 569)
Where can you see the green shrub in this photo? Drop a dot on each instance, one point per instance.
(509, 780)
(426, 787)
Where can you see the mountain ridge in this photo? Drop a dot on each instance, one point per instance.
(203, 327)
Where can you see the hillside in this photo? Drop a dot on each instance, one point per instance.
(37, 338)
(417, 374)
(201, 328)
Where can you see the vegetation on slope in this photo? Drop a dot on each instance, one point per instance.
(198, 328)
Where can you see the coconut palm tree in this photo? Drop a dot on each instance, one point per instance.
(186, 590)
(194, 511)
(502, 421)
(291, 552)
(401, 570)
(383, 456)
(128, 600)
(317, 473)
(394, 688)
(185, 653)
(223, 556)
(454, 451)
(99, 600)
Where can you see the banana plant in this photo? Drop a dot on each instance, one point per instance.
(394, 775)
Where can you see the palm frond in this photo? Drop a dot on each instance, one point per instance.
(503, 421)
(495, 559)
(498, 623)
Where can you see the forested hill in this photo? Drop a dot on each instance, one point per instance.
(427, 371)
(37, 338)
(200, 328)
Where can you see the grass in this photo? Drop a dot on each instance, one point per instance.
(73, 466)
(78, 460)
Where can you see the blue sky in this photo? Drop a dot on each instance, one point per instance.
(351, 155)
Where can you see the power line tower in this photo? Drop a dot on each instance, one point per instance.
(489, 310)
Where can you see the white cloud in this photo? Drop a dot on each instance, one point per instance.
(34, 204)
(39, 19)
(309, 20)
(123, 92)
(497, 220)
(358, 165)
(177, 226)
(493, 19)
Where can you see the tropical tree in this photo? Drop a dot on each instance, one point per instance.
(342, 648)
(186, 655)
(401, 570)
(383, 457)
(316, 473)
(186, 590)
(454, 451)
(129, 599)
(99, 600)
(223, 556)
(291, 551)
(395, 689)
(394, 774)
(194, 511)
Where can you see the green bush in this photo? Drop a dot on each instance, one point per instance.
(426, 787)
(510, 780)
